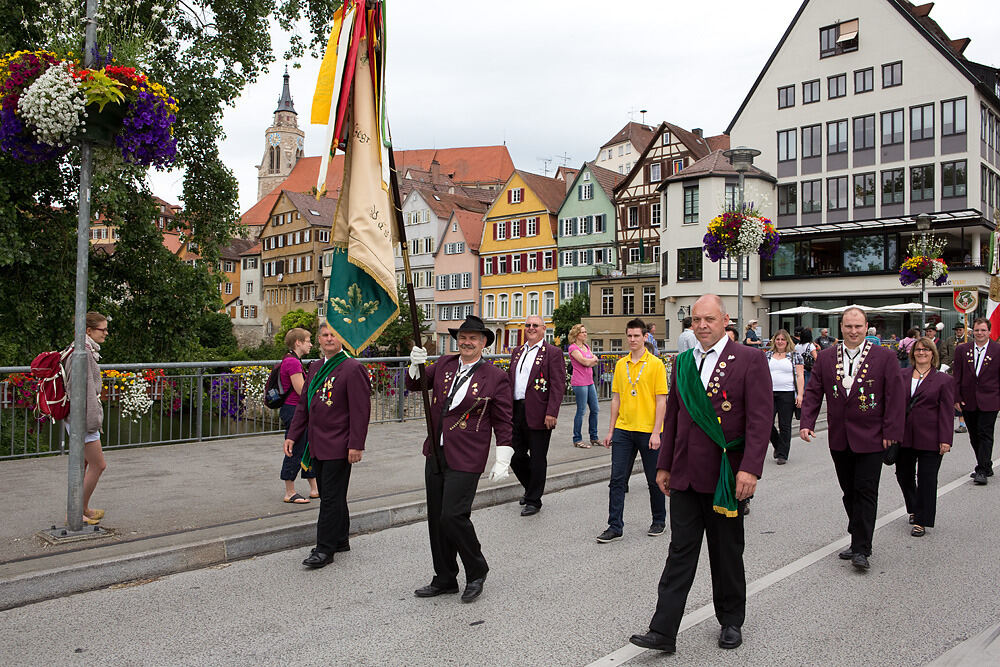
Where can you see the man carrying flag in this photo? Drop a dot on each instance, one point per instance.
(333, 413)
(718, 421)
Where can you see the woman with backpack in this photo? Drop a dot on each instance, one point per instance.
(291, 380)
(905, 345)
(93, 455)
(807, 349)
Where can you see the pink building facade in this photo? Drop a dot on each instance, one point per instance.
(456, 271)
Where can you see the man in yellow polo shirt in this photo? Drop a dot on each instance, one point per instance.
(638, 403)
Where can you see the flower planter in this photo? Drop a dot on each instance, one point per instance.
(101, 127)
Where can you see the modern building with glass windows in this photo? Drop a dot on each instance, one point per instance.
(867, 114)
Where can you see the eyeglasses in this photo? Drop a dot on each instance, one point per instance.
(105, 330)
(920, 350)
(531, 326)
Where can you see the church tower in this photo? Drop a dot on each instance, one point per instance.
(284, 144)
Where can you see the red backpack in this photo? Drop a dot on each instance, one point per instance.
(51, 399)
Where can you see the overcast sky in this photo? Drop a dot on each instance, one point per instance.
(554, 78)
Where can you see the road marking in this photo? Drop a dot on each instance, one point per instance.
(629, 651)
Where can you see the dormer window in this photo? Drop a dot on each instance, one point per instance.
(839, 38)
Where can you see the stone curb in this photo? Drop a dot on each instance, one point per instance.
(56, 582)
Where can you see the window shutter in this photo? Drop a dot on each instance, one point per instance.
(538, 261)
(495, 225)
(524, 262)
(510, 196)
(579, 192)
(482, 265)
(496, 263)
(590, 256)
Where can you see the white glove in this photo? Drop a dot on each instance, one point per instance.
(501, 469)
(418, 355)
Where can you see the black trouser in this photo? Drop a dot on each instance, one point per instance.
(781, 437)
(859, 475)
(449, 505)
(691, 516)
(917, 474)
(334, 523)
(529, 463)
(980, 424)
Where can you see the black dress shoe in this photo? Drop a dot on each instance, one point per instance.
(473, 589)
(979, 479)
(846, 554)
(730, 637)
(317, 559)
(520, 500)
(655, 641)
(528, 510)
(860, 561)
(432, 590)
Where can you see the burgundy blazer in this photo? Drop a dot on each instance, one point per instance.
(980, 392)
(546, 383)
(850, 426)
(931, 410)
(339, 414)
(487, 407)
(688, 454)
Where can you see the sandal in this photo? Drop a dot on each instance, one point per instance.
(296, 499)
(918, 531)
(90, 521)
(95, 514)
(314, 496)
(596, 443)
(581, 445)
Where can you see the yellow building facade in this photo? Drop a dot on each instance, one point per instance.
(517, 257)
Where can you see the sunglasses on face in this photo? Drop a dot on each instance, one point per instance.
(532, 326)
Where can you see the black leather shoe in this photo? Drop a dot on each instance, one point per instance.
(528, 510)
(846, 554)
(473, 589)
(860, 561)
(317, 559)
(655, 641)
(431, 590)
(730, 637)
(520, 500)
(979, 479)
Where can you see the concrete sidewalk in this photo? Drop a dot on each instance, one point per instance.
(181, 507)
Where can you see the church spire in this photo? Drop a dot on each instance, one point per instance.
(285, 101)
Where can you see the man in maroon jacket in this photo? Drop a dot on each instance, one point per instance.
(333, 412)
(866, 412)
(718, 420)
(537, 375)
(976, 371)
(471, 400)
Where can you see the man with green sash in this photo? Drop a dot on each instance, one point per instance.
(712, 449)
(333, 413)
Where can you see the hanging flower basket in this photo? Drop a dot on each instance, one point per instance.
(734, 234)
(48, 104)
(924, 261)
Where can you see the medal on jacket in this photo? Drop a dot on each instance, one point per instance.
(463, 424)
(726, 405)
(847, 379)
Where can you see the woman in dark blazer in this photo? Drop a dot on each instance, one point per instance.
(928, 434)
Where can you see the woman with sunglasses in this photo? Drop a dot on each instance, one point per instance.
(93, 455)
(928, 434)
(583, 360)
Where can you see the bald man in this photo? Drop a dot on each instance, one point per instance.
(718, 420)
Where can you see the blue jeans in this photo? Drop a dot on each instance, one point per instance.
(624, 446)
(585, 396)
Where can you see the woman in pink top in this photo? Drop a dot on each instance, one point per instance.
(583, 362)
(292, 379)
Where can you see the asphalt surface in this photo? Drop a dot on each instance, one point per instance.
(555, 596)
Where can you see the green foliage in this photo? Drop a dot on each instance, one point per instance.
(397, 338)
(570, 313)
(204, 52)
(296, 318)
(101, 89)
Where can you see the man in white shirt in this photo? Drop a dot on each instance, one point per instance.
(687, 338)
(977, 385)
(538, 377)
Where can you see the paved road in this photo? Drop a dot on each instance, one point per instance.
(556, 597)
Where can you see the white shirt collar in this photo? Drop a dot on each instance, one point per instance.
(462, 366)
(528, 347)
(983, 347)
(718, 347)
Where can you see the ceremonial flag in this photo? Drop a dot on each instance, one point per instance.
(362, 299)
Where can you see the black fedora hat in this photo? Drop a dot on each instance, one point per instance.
(473, 323)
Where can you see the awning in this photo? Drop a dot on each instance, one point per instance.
(848, 30)
(941, 220)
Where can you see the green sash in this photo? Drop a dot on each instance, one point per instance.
(314, 385)
(699, 406)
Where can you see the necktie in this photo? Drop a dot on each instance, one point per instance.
(704, 355)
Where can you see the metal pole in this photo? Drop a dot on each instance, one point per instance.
(923, 305)
(78, 359)
(739, 271)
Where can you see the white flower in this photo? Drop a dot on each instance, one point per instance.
(52, 106)
(135, 396)
(750, 237)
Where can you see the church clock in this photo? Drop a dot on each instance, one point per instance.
(274, 139)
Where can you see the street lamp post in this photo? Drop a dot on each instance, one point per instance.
(741, 158)
(923, 224)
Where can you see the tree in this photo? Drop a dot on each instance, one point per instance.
(204, 52)
(296, 319)
(397, 338)
(570, 313)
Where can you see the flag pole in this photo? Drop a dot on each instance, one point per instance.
(414, 319)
